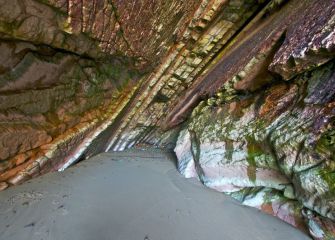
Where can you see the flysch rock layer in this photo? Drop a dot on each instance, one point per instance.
(68, 69)
(248, 57)
(246, 86)
(264, 133)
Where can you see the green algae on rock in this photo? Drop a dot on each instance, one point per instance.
(247, 85)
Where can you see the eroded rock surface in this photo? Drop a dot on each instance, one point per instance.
(68, 69)
(269, 143)
(248, 86)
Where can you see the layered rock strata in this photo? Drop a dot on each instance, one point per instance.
(246, 85)
(68, 70)
(264, 132)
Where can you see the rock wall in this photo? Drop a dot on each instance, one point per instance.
(81, 77)
(246, 85)
(262, 129)
(214, 26)
(267, 149)
(49, 100)
(68, 70)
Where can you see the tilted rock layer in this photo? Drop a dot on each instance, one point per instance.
(246, 86)
(68, 70)
(264, 134)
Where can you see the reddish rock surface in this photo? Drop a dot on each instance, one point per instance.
(309, 40)
(80, 77)
(297, 22)
(68, 70)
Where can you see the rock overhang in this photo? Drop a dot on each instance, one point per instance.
(81, 77)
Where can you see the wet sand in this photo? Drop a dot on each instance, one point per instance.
(131, 195)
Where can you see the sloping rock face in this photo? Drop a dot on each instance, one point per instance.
(68, 70)
(264, 132)
(246, 86)
(271, 149)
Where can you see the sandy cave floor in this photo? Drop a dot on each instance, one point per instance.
(131, 195)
